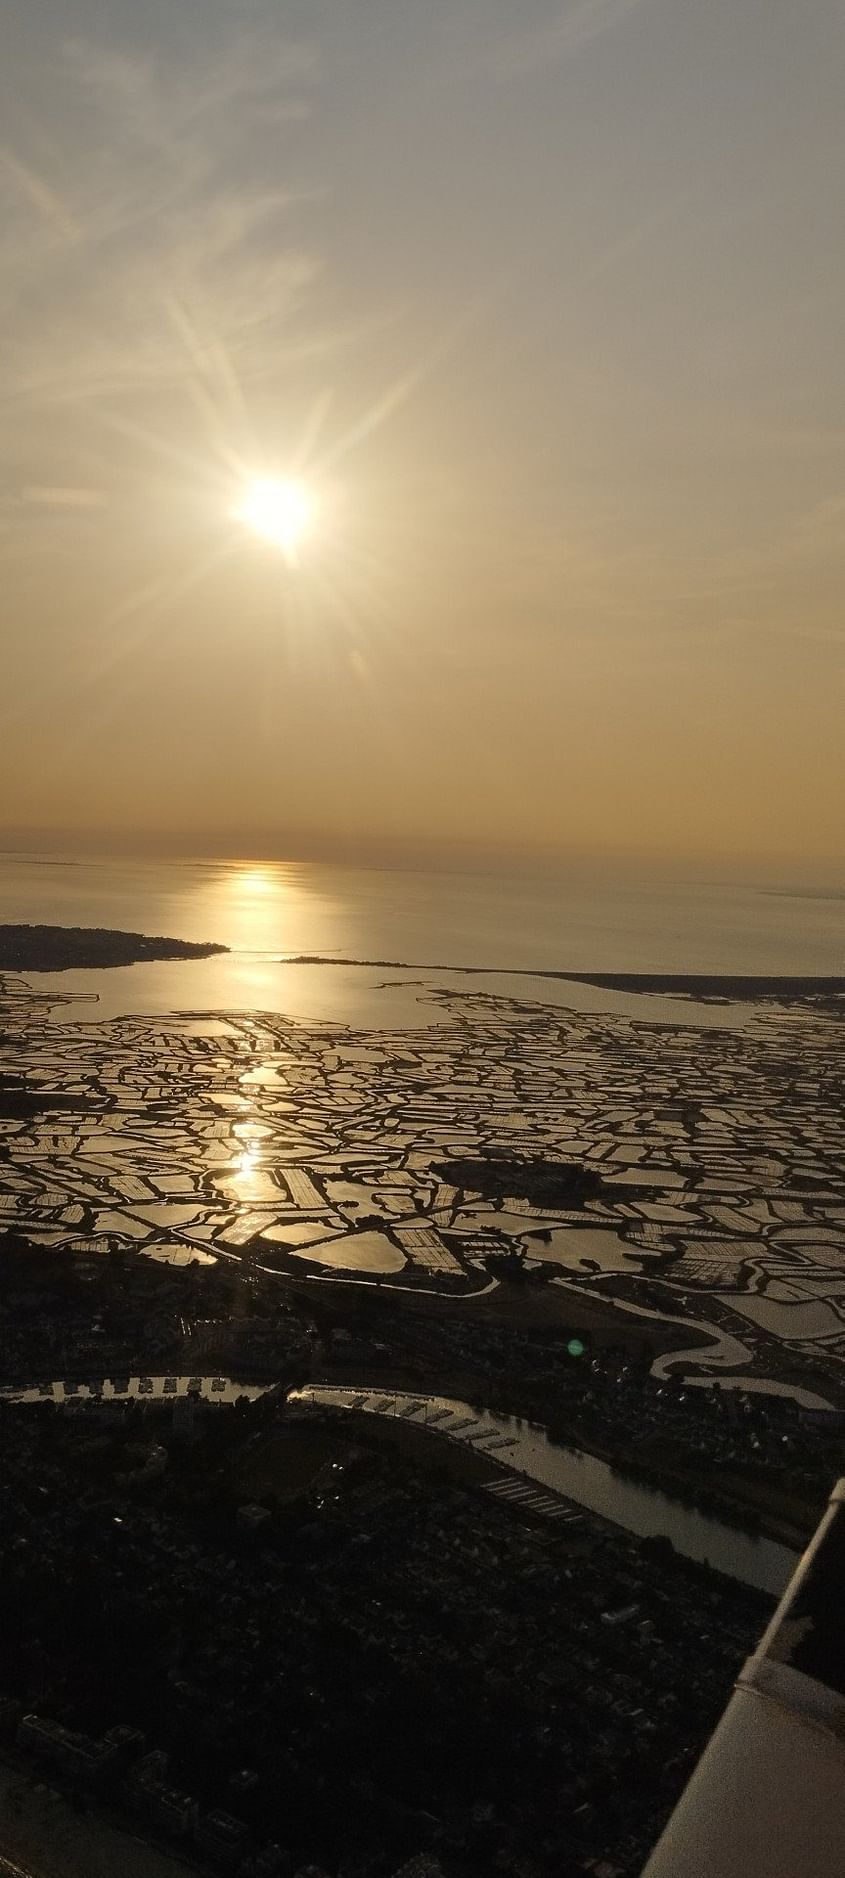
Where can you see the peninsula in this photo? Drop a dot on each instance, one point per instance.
(88, 948)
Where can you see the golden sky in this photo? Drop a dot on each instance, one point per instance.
(545, 304)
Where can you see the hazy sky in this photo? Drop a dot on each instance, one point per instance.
(546, 302)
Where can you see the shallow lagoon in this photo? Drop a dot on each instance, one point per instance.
(355, 997)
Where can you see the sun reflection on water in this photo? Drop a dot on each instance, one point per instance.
(267, 907)
(248, 1180)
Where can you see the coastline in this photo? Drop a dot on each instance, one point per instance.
(729, 986)
(25, 948)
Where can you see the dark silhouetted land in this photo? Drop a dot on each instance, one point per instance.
(708, 984)
(84, 948)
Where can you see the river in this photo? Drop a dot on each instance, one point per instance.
(588, 1481)
(525, 1449)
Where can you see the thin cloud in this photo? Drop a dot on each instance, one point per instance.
(151, 182)
(37, 194)
(570, 29)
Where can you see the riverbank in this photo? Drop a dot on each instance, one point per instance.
(743, 1504)
(585, 1481)
(751, 1506)
(628, 1496)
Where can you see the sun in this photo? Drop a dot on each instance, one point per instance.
(278, 510)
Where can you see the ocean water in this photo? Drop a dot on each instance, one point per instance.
(271, 912)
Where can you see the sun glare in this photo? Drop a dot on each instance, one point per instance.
(279, 511)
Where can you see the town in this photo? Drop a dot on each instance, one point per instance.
(183, 1602)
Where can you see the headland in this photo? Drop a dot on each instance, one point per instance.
(88, 948)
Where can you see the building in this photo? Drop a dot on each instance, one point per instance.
(251, 1518)
(66, 1749)
(223, 1836)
